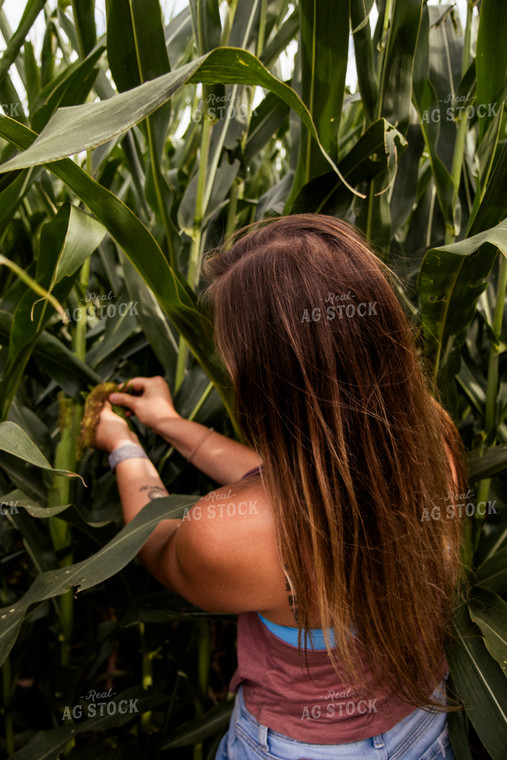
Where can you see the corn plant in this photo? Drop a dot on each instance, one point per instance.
(126, 154)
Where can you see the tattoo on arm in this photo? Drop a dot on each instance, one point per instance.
(154, 492)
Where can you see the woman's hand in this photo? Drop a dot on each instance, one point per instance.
(153, 404)
(112, 430)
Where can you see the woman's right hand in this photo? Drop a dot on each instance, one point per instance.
(153, 402)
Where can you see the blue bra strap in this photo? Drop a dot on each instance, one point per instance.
(290, 635)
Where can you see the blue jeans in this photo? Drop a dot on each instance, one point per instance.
(419, 736)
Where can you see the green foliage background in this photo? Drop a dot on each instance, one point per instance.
(157, 139)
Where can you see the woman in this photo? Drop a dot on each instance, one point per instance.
(330, 534)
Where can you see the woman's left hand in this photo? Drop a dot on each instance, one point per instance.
(112, 430)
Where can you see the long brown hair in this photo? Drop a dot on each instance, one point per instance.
(336, 404)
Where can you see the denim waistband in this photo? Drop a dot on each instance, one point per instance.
(419, 726)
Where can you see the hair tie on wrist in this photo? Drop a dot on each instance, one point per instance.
(126, 451)
(206, 435)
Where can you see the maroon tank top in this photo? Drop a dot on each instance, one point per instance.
(318, 708)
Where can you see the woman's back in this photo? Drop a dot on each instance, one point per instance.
(314, 704)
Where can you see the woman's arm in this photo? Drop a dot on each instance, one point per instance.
(138, 483)
(223, 459)
(211, 556)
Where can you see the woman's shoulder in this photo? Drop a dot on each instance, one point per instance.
(226, 547)
(230, 510)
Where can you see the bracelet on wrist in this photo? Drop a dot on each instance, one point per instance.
(195, 450)
(126, 451)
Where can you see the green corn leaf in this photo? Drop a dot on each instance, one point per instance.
(68, 89)
(136, 47)
(48, 745)
(363, 47)
(480, 683)
(84, 21)
(427, 105)
(59, 83)
(489, 149)
(490, 206)
(33, 285)
(491, 463)
(218, 717)
(21, 501)
(137, 52)
(33, 83)
(450, 281)
(71, 374)
(78, 128)
(324, 32)
(395, 88)
(171, 290)
(285, 34)
(13, 194)
(489, 612)
(269, 116)
(491, 69)
(492, 573)
(433, 82)
(493, 541)
(30, 13)
(66, 242)
(153, 320)
(105, 563)
(458, 733)
(207, 26)
(375, 152)
(15, 441)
